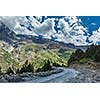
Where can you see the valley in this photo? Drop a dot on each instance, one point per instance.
(35, 55)
(22, 53)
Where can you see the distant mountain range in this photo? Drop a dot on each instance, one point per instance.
(13, 40)
(25, 41)
(17, 49)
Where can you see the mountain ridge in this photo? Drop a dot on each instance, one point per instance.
(14, 39)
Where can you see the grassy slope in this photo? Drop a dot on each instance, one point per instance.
(86, 60)
(35, 54)
(6, 60)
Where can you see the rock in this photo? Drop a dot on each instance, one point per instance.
(13, 78)
(3, 80)
(47, 73)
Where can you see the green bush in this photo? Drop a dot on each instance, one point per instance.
(91, 54)
(47, 66)
(94, 53)
(97, 56)
(10, 71)
(27, 67)
(0, 70)
(91, 51)
(75, 57)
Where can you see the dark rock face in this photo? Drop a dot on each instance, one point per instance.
(7, 35)
(3, 28)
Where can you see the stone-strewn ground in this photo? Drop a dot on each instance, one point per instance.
(89, 73)
(76, 73)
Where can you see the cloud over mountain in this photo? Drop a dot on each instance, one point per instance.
(71, 31)
(68, 29)
(95, 37)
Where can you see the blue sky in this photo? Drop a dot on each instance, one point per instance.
(91, 22)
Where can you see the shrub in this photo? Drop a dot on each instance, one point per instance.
(91, 51)
(97, 56)
(27, 67)
(79, 54)
(10, 71)
(94, 53)
(0, 70)
(75, 57)
(47, 66)
(56, 64)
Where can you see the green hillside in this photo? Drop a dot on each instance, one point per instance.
(6, 61)
(33, 57)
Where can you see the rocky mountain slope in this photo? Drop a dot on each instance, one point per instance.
(20, 50)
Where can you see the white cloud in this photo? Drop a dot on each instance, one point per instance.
(95, 37)
(13, 22)
(71, 30)
(93, 24)
(46, 28)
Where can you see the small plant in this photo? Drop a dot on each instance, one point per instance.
(10, 71)
(75, 57)
(0, 70)
(47, 65)
(27, 67)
